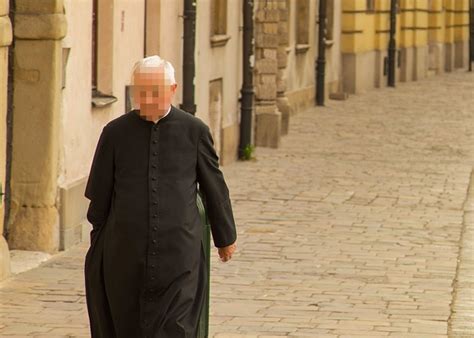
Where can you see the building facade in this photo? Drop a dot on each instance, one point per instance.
(432, 36)
(71, 75)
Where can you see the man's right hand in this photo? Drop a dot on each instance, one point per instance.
(225, 253)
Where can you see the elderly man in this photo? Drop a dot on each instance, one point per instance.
(145, 270)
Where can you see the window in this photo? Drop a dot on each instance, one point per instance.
(218, 16)
(302, 21)
(102, 53)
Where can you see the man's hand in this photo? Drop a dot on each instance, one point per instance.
(226, 252)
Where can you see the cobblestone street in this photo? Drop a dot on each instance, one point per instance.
(360, 224)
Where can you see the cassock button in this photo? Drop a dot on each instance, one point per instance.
(155, 216)
(153, 265)
(153, 253)
(154, 189)
(155, 141)
(153, 178)
(154, 241)
(153, 166)
(155, 228)
(155, 202)
(155, 153)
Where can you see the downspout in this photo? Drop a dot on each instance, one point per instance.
(247, 93)
(189, 41)
(471, 34)
(9, 126)
(145, 23)
(321, 62)
(392, 43)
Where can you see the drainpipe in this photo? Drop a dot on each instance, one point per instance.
(247, 92)
(145, 23)
(189, 41)
(471, 34)
(321, 62)
(392, 44)
(9, 127)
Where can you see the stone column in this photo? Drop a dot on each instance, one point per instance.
(267, 116)
(282, 57)
(5, 40)
(39, 28)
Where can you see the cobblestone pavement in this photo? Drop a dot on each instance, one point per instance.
(361, 224)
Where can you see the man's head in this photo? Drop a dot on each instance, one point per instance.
(153, 86)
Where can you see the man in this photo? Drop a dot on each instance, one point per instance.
(145, 270)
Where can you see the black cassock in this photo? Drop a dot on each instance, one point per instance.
(145, 270)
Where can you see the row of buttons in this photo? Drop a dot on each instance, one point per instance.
(154, 202)
(154, 215)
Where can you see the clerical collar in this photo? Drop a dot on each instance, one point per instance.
(169, 109)
(136, 112)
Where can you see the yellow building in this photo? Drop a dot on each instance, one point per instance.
(432, 36)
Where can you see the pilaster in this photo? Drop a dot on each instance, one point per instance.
(39, 28)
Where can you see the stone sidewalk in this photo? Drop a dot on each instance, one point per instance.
(361, 224)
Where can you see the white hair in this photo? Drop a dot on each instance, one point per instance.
(155, 61)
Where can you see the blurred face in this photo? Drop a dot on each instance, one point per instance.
(152, 92)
